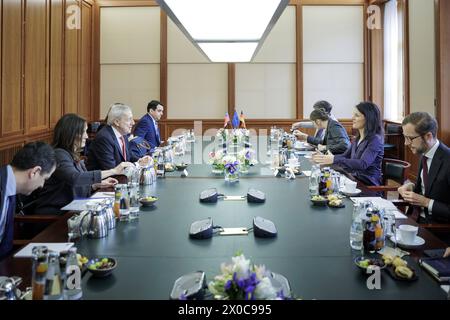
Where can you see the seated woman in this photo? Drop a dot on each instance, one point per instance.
(363, 160)
(336, 139)
(71, 179)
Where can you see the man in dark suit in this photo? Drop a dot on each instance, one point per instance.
(430, 193)
(147, 127)
(29, 169)
(110, 146)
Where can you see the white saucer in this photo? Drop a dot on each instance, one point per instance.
(350, 194)
(418, 241)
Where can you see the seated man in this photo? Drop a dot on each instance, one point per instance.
(147, 127)
(30, 167)
(336, 139)
(110, 146)
(319, 135)
(430, 193)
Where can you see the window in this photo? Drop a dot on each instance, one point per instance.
(394, 102)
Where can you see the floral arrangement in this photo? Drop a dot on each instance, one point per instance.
(247, 157)
(241, 280)
(216, 159)
(231, 164)
(234, 135)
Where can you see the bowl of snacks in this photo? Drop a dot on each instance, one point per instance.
(169, 167)
(319, 200)
(335, 202)
(364, 263)
(181, 166)
(148, 201)
(101, 267)
(399, 268)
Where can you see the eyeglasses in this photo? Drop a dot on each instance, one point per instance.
(411, 139)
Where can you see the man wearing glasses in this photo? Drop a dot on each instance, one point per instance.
(430, 193)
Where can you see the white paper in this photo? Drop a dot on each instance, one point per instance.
(26, 252)
(103, 195)
(380, 203)
(80, 204)
(307, 173)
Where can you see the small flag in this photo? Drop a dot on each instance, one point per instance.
(235, 121)
(227, 120)
(241, 118)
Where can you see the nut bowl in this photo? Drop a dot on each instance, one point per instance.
(148, 201)
(101, 267)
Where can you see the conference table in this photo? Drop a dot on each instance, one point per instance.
(311, 249)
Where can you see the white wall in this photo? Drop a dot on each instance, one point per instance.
(333, 57)
(129, 57)
(422, 55)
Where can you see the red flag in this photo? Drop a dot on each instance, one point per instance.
(241, 118)
(227, 120)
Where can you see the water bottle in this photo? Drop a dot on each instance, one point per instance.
(314, 180)
(53, 285)
(356, 230)
(72, 284)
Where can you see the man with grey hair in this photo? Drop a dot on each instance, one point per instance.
(110, 146)
(430, 193)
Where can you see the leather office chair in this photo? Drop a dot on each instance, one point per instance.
(393, 169)
(393, 140)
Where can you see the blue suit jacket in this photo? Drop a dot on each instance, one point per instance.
(105, 152)
(6, 244)
(364, 161)
(146, 129)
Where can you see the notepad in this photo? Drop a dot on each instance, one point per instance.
(26, 252)
(80, 204)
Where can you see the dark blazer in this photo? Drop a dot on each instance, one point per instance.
(69, 181)
(336, 138)
(438, 184)
(364, 161)
(317, 139)
(105, 152)
(146, 129)
(6, 244)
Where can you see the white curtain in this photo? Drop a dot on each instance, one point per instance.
(393, 62)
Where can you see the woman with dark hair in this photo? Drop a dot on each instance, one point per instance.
(335, 140)
(71, 179)
(363, 160)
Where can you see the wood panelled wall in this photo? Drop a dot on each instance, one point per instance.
(46, 69)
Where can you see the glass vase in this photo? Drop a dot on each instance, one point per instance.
(216, 169)
(231, 177)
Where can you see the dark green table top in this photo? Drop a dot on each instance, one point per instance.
(312, 248)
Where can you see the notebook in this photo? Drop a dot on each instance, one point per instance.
(439, 268)
(26, 252)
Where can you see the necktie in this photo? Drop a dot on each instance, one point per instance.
(425, 173)
(157, 131)
(7, 242)
(124, 148)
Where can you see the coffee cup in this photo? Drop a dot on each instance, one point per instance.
(350, 186)
(293, 162)
(408, 233)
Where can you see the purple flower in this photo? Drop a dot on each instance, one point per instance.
(232, 167)
(228, 285)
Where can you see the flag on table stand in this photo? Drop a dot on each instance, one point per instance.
(235, 121)
(227, 120)
(241, 118)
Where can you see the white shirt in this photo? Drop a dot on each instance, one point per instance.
(9, 191)
(430, 155)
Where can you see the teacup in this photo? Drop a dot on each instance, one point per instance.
(408, 233)
(350, 186)
(293, 162)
